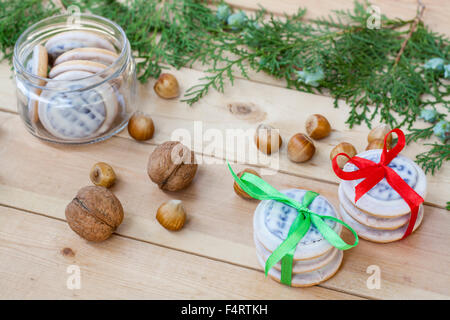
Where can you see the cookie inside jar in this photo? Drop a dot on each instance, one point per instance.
(78, 84)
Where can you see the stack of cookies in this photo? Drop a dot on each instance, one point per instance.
(66, 110)
(315, 260)
(381, 215)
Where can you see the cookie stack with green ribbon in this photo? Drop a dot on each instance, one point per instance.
(296, 233)
(382, 192)
(315, 259)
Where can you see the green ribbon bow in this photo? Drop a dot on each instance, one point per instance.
(259, 189)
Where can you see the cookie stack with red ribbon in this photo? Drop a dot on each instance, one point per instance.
(382, 192)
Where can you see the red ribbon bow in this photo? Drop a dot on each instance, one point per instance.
(372, 173)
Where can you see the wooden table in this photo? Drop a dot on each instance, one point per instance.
(213, 256)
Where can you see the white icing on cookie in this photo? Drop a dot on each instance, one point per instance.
(90, 54)
(79, 114)
(272, 220)
(310, 278)
(77, 65)
(383, 201)
(68, 40)
(377, 235)
(72, 115)
(369, 220)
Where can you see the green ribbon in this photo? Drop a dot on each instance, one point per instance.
(257, 188)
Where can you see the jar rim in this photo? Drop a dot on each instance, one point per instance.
(115, 64)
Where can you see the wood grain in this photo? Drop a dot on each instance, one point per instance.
(36, 252)
(244, 106)
(43, 178)
(214, 255)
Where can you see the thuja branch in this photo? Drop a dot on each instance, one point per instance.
(432, 160)
(420, 11)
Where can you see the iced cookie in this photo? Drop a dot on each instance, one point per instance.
(76, 65)
(376, 235)
(103, 56)
(118, 97)
(72, 114)
(272, 220)
(383, 201)
(37, 65)
(68, 40)
(310, 278)
(302, 266)
(71, 75)
(369, 220)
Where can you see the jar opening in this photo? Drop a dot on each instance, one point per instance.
(44, 29)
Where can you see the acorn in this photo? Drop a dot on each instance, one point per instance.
(167, 86)
(379, 132)
(317, 127)
(267, 139)
(300, 148)
(103, 175)
(238, 189)
(141, 127)
(377, 144)
(171, 215)
(343, 147)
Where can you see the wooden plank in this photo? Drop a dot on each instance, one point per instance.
(36, 252)
(43, 178)
(255, 103)
(436, 16)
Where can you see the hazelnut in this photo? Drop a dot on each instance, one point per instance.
(167, 86)
(377, 144)
(379, 132)
(171, 215)
(300, 148)
(317, 126)
(238, 189)
(141, 127)
(172, 166)
(267, 139)
(103, 175)
(343, 147)
(95, 213)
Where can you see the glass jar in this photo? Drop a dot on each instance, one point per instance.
(86, 90)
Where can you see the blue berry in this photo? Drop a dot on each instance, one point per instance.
(435, 64)
(237, 20)
(447, 71)
(429, 115)
(442, 130)
(311, 78)
(223, 12)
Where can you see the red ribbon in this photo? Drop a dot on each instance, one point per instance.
(372, 173)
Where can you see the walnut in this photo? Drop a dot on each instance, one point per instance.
(95, 213)
(172, 166)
